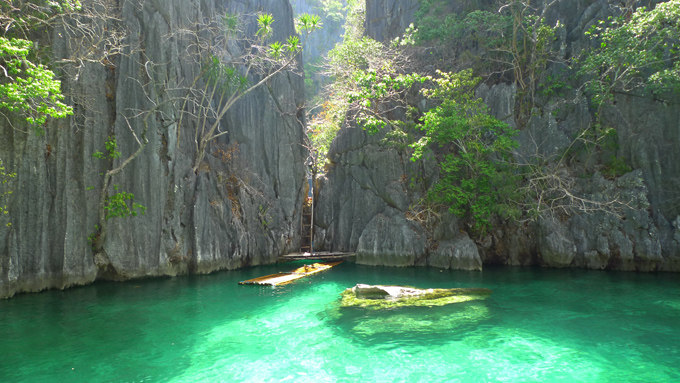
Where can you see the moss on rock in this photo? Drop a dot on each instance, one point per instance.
(352, 297)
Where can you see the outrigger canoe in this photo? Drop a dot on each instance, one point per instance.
(283, 278)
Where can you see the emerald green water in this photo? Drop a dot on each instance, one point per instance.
(537, 326)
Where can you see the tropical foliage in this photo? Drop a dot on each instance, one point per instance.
(28, 88)
(226, 77)
(640, 52)
(472, 148)
(373, 87)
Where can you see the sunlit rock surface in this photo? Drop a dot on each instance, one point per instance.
(460, 253)
(241, 208)
(377, 297)
(364, 199)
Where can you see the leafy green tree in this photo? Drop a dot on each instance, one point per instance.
(366, 76)
(372, 85)
(220, 84)
(29, 89)
(472, 148)
(473, 151)
(636, 53)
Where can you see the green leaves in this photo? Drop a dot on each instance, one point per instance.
(111, 150)
(472, 150)
(265, 23)
(307, 23)
(642, 52)
(371, 89)
(121, 204)
(293, 44)
(275, 50)
(29, 88)
(224, 78)
(353, 55)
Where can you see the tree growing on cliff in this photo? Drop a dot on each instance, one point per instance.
(375, 85)
(480, 175)
(477, 179)
(369, 82)
(233, 64)
(28, 88)
(89, 33)
(635, 52)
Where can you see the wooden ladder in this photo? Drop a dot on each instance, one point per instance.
(306, 226)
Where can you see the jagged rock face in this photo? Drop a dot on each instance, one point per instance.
(457, 254)
(387, 19)
(361, 207)
(240, 208)
(390, 240)
(359, 190)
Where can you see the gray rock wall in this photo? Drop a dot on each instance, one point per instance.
(387, 19)
(360, 209)
(241, 207)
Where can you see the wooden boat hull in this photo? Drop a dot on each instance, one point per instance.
(287, 277)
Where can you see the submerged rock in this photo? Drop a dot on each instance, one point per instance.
(384, 297)
(403, 326)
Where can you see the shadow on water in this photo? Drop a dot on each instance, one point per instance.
(407, 325)
(396, 327)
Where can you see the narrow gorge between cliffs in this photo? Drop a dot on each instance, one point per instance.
(143, 171)
(507, 171)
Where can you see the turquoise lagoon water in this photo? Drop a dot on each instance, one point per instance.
(537, 326)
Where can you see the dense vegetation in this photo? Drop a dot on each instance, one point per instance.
(381, 87)
(473, 150)
(378, 86)
(640, 52)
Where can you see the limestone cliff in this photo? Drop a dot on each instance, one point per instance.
(240, 208)
(365, 198)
